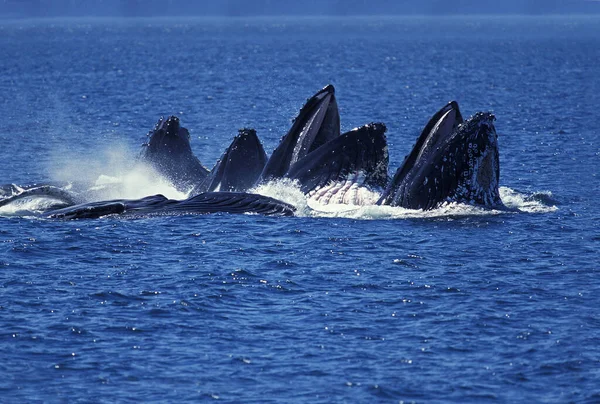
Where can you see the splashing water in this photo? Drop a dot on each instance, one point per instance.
(537, 202)
(285, 190)
(28, 207)
(115, 174)
(142, 180)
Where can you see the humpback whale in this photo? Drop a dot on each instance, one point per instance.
(169, 152)
(452, 161)
(350, 169)
(238, 168)
(317, 123)
(208, 202)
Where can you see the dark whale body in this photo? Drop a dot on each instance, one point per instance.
(209, 202)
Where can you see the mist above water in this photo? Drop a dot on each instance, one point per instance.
(113, 173)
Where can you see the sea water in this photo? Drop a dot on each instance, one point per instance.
(339, 304)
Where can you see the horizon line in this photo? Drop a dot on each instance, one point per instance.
(8, 17)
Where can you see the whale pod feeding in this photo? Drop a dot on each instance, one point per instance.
(453, 160)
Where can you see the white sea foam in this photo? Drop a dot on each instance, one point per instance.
(28, 206)
(289, 191)
(537, 202)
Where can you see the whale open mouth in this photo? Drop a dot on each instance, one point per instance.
(317, 123)
(439, 128)
(402, 191)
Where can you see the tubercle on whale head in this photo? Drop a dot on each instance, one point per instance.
(374, 127)
(480, 118)
(248, 136)
(481, 166)
(246, 132)
(158, 125)
(171, 125)
(479, 124)
(168, 136)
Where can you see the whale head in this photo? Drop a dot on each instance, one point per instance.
(479, 167)
(169, 152)
(356, 160)
(452, 161)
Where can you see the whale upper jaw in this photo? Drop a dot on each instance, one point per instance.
(452, 161)
(480, 175)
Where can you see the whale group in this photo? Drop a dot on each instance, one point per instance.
(454, 160)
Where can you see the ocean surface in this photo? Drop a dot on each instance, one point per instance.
(366, 305)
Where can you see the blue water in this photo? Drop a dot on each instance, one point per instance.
(369, 306)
